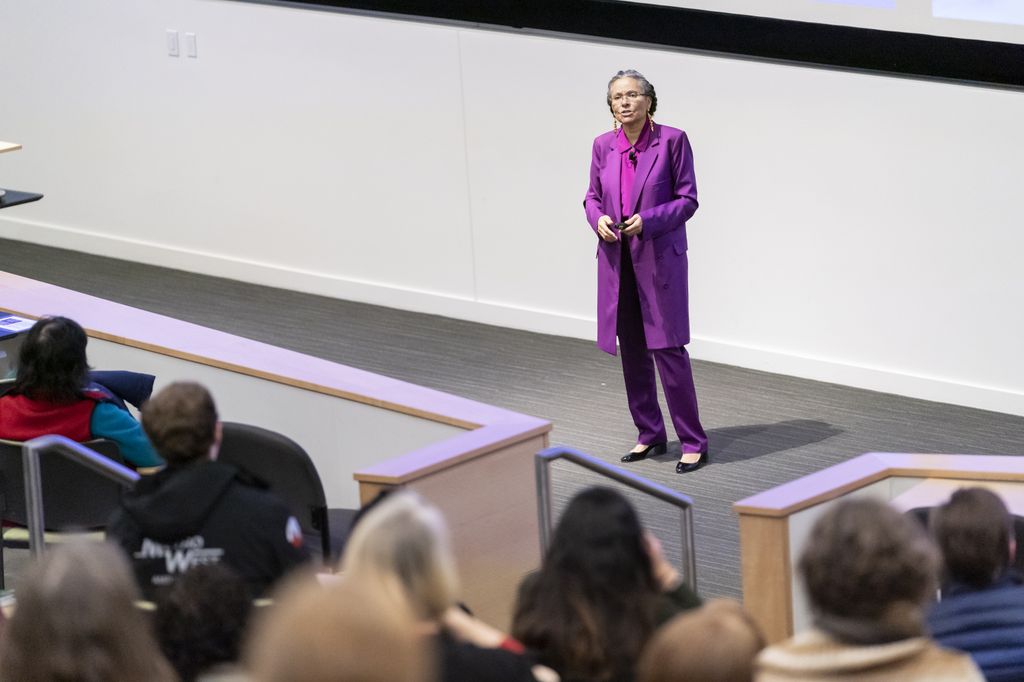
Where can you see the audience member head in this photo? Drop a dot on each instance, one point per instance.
(346, 632)
(181, 422)
(201, 617)
(76, 620)
(716, 643)
(404, 543)
(868, 571)
(51, 363)
(591, 606)
(974, 531)
(599, 535)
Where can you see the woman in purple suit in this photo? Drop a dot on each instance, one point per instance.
(642, 192)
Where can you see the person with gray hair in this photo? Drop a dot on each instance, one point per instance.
(642, 192)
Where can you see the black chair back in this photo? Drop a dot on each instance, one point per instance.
(286, 469)
(74, 497)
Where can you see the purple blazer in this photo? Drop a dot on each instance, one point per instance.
(665, 196)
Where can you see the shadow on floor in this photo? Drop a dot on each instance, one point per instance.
(739, 443)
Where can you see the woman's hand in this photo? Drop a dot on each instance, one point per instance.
(604, 229)
(633, 226)
(665, 574)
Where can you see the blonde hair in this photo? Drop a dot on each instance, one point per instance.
(345, 631)
(716, 643)
(76, 619)
(403, 544)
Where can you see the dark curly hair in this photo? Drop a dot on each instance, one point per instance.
(51, 363)
(201, 618)
(645, 86)
(863, 559)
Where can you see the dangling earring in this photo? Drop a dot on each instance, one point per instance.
(615, 125)
(650, 119)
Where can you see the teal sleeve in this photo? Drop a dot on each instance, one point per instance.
(111, 422)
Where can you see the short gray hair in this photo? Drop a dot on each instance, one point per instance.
(645, 86)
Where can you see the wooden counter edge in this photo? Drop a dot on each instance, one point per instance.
(895, 466)
(437, 463)
(450, 420)
(767, 582)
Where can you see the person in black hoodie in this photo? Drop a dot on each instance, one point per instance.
(199, 511)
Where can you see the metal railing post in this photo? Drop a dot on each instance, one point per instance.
(30, 457)
(543, 461)
(33, 501)
(543, 503)
(689, 549)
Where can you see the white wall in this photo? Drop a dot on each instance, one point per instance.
(341, 436)
(853, 228)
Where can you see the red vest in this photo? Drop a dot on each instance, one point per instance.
(22, 418)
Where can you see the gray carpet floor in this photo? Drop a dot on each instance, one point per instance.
(764, 429)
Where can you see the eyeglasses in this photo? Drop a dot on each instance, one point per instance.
(632, 96)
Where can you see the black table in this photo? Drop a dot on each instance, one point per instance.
(13, 197)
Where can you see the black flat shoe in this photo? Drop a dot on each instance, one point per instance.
(653, 448)
(687, 467)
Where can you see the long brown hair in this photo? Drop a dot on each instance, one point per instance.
(76, 619)
(591, 607)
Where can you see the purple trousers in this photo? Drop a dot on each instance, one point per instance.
(638, 364)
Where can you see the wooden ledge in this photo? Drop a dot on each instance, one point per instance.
(869, 468)
(488, 427)
(437, 456)
(164, 335)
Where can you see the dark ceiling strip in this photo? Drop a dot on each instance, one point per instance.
(889, 52)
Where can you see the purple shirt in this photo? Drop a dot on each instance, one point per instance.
(628, 173)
